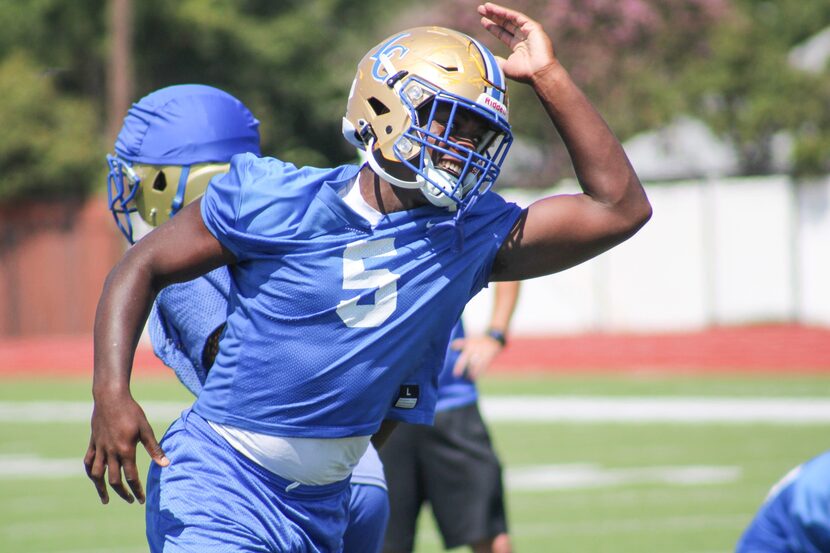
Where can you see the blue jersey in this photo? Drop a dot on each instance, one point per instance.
(795, 518)
(334, 324)
(454, 391)
(183, 317)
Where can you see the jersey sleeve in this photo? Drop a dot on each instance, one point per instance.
(222, 203)
(258, 205)
(492, 222)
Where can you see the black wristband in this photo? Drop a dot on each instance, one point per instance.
(497, 335)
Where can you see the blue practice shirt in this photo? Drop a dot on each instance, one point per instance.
(334, 325)
(183, 317)
(796, 516)
(454, 391)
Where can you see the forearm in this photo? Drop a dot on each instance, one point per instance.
(504, 304)
(119, 319)
(156, 261)
(599, 161)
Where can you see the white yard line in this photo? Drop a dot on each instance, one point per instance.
(687, 410)
(539, 478)
(22, 466)
(581, 476)
(40, 412)
(541, 409)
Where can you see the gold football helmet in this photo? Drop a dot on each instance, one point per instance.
(159, 191)
(408, 94)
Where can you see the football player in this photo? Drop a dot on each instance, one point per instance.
(345, 285)
(172, 142)
(795, 518)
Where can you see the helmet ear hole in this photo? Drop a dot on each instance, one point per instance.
(160, 182)
(377, 106)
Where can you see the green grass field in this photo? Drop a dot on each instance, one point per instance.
(604, 486)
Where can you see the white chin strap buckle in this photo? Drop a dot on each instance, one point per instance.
(447, 181)
(433, 193)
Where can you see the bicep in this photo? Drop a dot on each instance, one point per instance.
(181, 249)
(559, 232)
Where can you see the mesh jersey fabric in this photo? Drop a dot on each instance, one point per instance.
(183, 317)
(328, 316)
(796, 516)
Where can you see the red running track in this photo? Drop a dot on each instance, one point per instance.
(772, 348)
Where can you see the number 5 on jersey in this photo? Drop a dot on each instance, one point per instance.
(357, 277)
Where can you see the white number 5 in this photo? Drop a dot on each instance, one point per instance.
(357, 277)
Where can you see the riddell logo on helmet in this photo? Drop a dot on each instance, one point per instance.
(492, 103)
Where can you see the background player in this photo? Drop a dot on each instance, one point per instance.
(452, 464)
(172, 142)
(795, 518)
(354, 311)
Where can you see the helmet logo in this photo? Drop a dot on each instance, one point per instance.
(490, 102)
(388, 50)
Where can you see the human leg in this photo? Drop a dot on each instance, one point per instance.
(401, 465)
(463, 482)
(368, 516)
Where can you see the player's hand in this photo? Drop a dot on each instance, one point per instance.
(477, 354)
(532, 48)
(118, 424)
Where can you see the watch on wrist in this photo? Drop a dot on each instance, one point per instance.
(497, 335)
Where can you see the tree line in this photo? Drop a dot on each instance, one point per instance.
(643, 62)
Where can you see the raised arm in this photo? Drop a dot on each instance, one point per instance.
(561, 231)
(178, 250)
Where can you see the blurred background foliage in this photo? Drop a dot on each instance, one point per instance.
(643, 62)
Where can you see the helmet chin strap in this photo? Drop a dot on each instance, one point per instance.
(446, 180)
(373, 163)
(431, 192)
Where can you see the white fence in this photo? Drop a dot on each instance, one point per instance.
(716, 252)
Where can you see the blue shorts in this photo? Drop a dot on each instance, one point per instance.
(211, 498)
(369, 513)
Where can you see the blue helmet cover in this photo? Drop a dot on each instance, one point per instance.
(187, 124)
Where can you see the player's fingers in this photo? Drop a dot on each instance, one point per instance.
(474, 367)
(114, 479)
(133, 480)
(510, 19)
(497, 30)
(460, 366)
(96, 470)
(89, 457)
(148, 438)
(458, 344)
